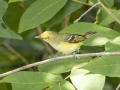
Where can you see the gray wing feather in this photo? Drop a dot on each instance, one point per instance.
(73, 38)
(76, 38)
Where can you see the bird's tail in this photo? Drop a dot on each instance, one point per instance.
(88, 34)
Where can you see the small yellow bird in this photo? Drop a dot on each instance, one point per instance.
(64, 42)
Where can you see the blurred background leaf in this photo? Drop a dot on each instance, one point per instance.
(16, 53)
(69, 8)
(4, 30)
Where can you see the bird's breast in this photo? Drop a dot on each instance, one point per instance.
(66, 48)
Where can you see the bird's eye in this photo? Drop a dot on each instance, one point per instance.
(48, 37)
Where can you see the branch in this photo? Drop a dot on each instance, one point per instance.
(81, 2)
(107, 10)
(60, 58)
(15, 52)
(118, 87)
(85, 12)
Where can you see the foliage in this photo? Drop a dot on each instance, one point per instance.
(22, 20)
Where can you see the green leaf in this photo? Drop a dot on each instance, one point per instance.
(15, 11)
(101, 15)
(3, 86)
(96, 40)
(106, 65)
(62, 65)
(117, 40)
(85, 80)
(100, 38)
(11, 1)
(94, 1)
(39, 12)
(117, 26)
(5, 32)
(3, 7)
(69, 7)
(83, 27)
(63, 85)
(30, 86)
(109, 19)
(31, 80)
(112, 46)
(107, 3)
(91, 49)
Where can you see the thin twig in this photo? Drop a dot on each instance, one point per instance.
(67, 77)
(16, 53)
(60, 58)
(21, 5)
(85, 13)
(118, 87)
(107, 10)
(65, 22)
(40, 31)
(81, 2)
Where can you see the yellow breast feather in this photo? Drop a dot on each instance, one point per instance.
(67, 48)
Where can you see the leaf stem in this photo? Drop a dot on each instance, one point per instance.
(109, 12)
(118, 87)
(77, 20)
(81, 2)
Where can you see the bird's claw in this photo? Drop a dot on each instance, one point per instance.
(55, 57)
(78, 50)
(74, 55)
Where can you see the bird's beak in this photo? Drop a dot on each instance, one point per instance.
(38, 37)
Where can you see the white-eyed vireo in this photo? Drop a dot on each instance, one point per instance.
(64, 42)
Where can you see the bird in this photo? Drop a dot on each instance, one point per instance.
(65, 43)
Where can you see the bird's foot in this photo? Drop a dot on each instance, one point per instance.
(55, 57)
(63, 55)
(74, 55)
(78, 50)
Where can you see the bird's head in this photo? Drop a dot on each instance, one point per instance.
(48, 36)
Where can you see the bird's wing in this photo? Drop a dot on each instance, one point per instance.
(73, 38)
(76, 38)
